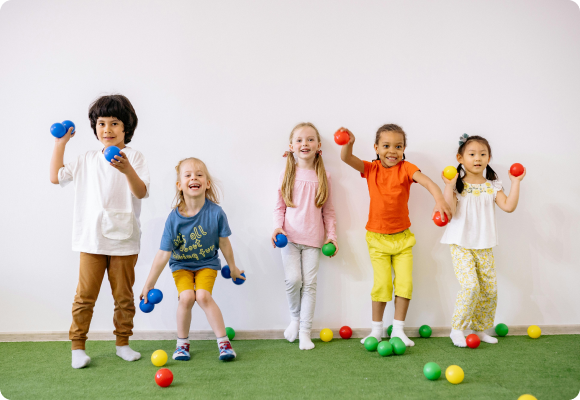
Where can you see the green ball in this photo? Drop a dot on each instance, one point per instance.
(395, 339)
(399, 347)
(328, 249)
(385, 348)
(231, 333)
(389, 330)
(501, 329)
(432, 371)
(371, 343)
(425, 331)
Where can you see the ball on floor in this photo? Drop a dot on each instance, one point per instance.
(501, 330)
(326, 335)
(425, 331)
(159, 358)
(385, 348)
(454, 374)
(534, 331)
(345, 332)
(371, 343)
(472, 341)
(231, 334)
(432, 371)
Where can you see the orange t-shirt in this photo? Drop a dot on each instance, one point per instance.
(389, 191)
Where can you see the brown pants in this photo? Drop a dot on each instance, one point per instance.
(121, 272)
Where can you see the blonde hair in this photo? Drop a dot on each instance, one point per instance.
(290, 174)
(212, 193)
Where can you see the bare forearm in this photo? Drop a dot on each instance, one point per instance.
(449, 197)
(352, 160)
(511, 202)
(56, 162)
(228, 252)
(136, 185)
(159, 262)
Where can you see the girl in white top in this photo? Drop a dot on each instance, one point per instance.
(472, 233)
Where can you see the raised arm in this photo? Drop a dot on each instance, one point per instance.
(57, 159)
(448, 193)
(159, 262)
(509, 203)
(347, 156)
(440, 203)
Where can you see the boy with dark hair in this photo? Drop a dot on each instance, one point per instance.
(106, 228)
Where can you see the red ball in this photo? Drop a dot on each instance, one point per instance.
(345, 332)
(341, 137)
(163, 377)
(517, 169)
(472, 341)
(438, 221)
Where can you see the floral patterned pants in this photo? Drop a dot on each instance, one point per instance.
(477, 300)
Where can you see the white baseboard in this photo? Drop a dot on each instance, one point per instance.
(514, 330)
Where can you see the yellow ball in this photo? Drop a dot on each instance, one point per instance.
(326, 335)
(534, 331)
(527, 397)
(449, 172)
(159, 358)
(454, 374)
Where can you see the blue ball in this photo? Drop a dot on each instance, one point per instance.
(57, 130)
(226, 273)
(154, 296)
(110, 152)
(146, 307)
(281, 240)
(69, 124)
(239, 281)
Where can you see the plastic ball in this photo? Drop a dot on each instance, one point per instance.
(226, 273)
(501, 329)
(449, 172)
(527, 397)
(110, 153)
(341, 137)
(425, 331)
(239, 281)
(454, 374)
(517, 169)
(159, 358)
(371, 343)
(345, 332)
(534, 331)
(154, 296)
(57, 130)
(328, 249)
(281, 240)
(326, 335)
(390, 330)
(164, 377)
(69, 124)
(146, 307)
(472, 341)
(438, 221)
(432, 371)
(385, 348)
(230, 333)
(399, 347)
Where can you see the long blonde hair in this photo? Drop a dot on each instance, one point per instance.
(212, 193)
(290, 174)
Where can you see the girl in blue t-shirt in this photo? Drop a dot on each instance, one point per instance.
(194, 231)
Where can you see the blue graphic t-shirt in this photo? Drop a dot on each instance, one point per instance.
(194, 241)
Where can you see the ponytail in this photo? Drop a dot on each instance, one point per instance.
(289, 178)
(322, 193)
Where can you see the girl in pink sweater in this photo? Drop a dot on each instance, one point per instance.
(303, 211)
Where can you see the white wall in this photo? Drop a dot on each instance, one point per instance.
(226, 81)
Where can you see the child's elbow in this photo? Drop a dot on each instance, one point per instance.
(54, 180)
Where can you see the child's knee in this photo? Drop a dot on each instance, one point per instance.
(187, 298)
(203, 297)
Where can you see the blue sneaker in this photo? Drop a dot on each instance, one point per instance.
(226, 351)
(182, 353)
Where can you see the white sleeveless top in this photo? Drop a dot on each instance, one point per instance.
(473, 225)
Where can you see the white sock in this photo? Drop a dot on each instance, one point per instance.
(128, 354)
(377, 331)
(484, 337)
(398, 332)
(182, 342)
(80, 359)
(458, 338)
(292, 331)
(222, 339)
(305, 341)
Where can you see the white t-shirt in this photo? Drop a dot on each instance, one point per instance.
(106, 213)
(473, 225)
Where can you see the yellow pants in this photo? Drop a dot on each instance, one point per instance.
(388, 251)
(477, 300)
(194, 280)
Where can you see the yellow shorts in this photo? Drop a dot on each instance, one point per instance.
(396, 251)
(194, 280)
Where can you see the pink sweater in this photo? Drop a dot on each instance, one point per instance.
(305, 223)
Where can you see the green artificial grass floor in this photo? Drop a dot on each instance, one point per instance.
(548, 368)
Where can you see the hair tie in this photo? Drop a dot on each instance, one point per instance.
(319, 152)
(286, 153)
(463, 139)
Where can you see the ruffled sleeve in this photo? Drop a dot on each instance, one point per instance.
(496, 185)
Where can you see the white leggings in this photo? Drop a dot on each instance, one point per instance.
(300, 270)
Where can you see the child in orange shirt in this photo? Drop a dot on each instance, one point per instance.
(389, 239)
